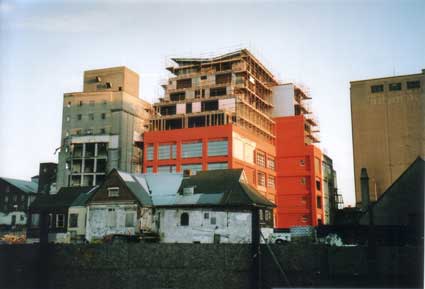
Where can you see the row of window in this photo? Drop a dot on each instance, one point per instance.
(192, 167)
(396, 86)
(261, 161)
(81, 103)
(57, 220)
(90, 116)
(189, 150)
(303, 181)
(14, 198)
(88, 131)
(261, 180)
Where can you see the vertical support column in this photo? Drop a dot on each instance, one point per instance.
(83, 160)
(95, 163)
(255, 249)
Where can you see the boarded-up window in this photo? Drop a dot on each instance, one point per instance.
(112, 218)
(129, 219)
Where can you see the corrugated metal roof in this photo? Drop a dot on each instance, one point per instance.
(25, 186)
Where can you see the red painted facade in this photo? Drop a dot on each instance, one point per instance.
(299, 197)
(253, 169)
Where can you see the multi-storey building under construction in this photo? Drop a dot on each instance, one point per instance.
(216, 113)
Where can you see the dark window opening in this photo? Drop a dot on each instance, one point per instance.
(318, 185)
(90, 149)
(89, 166)
(108, 85)
(184, 219)
(188, 107)
(203, 77)
(197, 93)
(101, 165)
(413, 84)
(210, 105)
(223, 78)
(219, 91)
(319, 202)
(173, 124)
(197, 121)
(73, 220)
(177, 96)
(395, 86)
(184, 83)
(377, 88)
(168, 110)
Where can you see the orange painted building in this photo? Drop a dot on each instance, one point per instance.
(213, 147)
(299, 197)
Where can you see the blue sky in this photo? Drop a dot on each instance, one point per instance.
(46, 46)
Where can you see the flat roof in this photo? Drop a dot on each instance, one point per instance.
(388, 77)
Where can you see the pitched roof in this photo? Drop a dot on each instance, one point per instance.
(25, 186)
(219, 188)
(64, 198)
(82, 199)
(137, 186)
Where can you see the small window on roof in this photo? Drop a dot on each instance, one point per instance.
(113, 192)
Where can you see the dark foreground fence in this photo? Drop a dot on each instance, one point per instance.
(126, 266)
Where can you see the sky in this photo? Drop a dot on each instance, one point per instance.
(45, 46)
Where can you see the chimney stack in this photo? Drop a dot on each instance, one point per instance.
(364, 181)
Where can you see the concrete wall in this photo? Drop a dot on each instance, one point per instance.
(214, 266)
(388, 130)
(232, 227)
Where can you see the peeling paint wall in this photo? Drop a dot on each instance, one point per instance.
(106, 219)
(231, 227)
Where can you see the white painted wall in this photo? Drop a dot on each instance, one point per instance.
(283, 99)
(6, 219)
(81, 211)
(233, 227)
(100, 222)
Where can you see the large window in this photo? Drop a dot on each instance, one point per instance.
(191, 150)
(217, 148)
(166, 169)
(149, 152)
(166, 151)
(394, 86)
(413, 84)
(193, 167)
(217, 166)
(60, 220)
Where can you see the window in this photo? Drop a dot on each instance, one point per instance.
(203, 77)
(394, 86)
(60, 220)
(149, 152)
(149, 169)
(112, 218)
(79, 117)
(190, 150)
(69, 104)
(166, 151)
(261, 178)
(184, 219)
(113, 192)
(73, 220)
(413, 84)
(35, 220)
(217, 166)
(213, 220)
(261, 159)
(91, 116)
(184, 83)
(80, 103)
(6, 199)
(103, 115)
(267, 215)
(318, 185)
(108, 85)
(217, 148)
(303, 180)
(270, 182)
(166, 169)
(176, 96)
(193, 167)
(129, 219)
(102, 131)
(377, 88)
(223, 78)
(302, 163)
(270, 164)
(68, 118)
(219, 91)
(319, 202)
(206, 215)
(304, 219)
